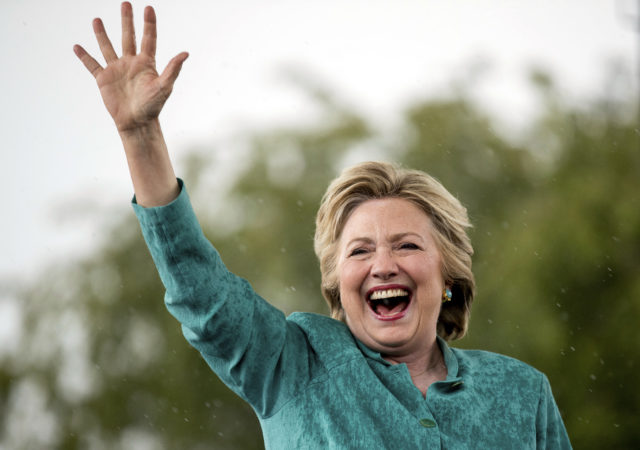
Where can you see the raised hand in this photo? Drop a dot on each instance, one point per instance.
(134, 94)
(131, 88)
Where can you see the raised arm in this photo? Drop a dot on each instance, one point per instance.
(134, 94)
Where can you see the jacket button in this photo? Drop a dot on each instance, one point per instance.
(427, 423)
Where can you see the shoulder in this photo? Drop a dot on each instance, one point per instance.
(497, 368)
(504, 383)
(330, 339)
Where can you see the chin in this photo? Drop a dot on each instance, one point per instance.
(388, 340)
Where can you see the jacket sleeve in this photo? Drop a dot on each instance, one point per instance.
(550, 430)
(244, 339)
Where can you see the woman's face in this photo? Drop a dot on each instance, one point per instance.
(390, 277)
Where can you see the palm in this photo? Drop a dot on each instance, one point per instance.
(131, 88)
(131, 91)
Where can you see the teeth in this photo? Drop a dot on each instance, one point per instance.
(388, 293)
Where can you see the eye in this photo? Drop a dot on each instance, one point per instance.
(357, 251)
(409, 246)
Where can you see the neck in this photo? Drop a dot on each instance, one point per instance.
(425, 368)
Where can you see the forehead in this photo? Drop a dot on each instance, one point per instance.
(388, 216)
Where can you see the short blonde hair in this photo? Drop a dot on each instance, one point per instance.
(376, 180)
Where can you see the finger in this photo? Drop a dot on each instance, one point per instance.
(128, 30)
(148, 45)
(91, 64)
(103, 41)
(171, 72)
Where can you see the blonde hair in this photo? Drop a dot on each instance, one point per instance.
(375, 180)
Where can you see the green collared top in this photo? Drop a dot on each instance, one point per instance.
(313, 385)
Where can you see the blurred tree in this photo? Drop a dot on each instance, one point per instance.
(101, 364)
(559, 275)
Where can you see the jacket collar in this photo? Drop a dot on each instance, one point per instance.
(450, 359)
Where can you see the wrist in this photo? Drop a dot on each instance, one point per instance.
(146, 132)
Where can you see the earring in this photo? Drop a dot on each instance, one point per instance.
(446, 295)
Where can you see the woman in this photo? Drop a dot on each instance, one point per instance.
(396, 271)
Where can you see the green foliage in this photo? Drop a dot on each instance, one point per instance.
(101, 364)
(278, 196)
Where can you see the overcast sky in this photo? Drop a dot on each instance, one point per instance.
(61, 158)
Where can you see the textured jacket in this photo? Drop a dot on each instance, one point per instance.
(313, 385)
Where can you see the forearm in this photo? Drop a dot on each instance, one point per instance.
(152, 174)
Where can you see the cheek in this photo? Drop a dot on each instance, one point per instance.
(350, 281)
(345, 276)
(427, 274)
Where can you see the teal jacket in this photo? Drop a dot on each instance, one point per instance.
(313, 385)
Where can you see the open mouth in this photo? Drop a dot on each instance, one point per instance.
(389, 303)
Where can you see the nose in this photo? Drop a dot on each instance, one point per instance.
(384, 266)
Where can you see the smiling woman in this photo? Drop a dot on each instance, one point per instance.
(447, 220)
(396, 268)
(387, 251)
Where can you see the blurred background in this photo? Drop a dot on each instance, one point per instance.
(527, 111)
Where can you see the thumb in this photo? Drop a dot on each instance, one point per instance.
(171, 72)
